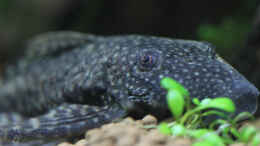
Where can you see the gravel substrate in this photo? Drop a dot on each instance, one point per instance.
(129, 132)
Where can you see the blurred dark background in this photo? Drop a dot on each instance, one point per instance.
(233, 26)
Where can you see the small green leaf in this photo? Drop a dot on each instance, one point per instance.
(178, 130)
(198, 132)
(222, 103)
(196, 101)
(247, 133)
(164, 128)
(212, 139)
(243, 116)
(224, 129)
(176, 103)
(205, 101)
(217, 122)
(170, 84)
(256, 140)
(214, 112)
(234, 132)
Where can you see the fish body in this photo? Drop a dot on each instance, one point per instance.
(69, 82)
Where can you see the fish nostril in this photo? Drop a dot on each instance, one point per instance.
(245, 96)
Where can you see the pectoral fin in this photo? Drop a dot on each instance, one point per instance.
(64, 121)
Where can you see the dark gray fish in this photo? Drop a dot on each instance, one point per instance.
(70, 82)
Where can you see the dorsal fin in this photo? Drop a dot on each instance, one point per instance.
(48, 44)
(54, 43)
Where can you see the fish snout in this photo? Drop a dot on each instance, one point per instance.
(245, 96)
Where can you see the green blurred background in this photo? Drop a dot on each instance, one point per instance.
(230, 25)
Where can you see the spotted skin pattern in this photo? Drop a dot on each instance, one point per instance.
(70, 82)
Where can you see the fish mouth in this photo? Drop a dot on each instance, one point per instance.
(143, 105)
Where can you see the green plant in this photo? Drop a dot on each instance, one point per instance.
(228, 34)
(191, 124)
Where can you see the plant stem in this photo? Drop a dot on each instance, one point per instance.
(189, 113)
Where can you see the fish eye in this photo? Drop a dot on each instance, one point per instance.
(147, 60)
